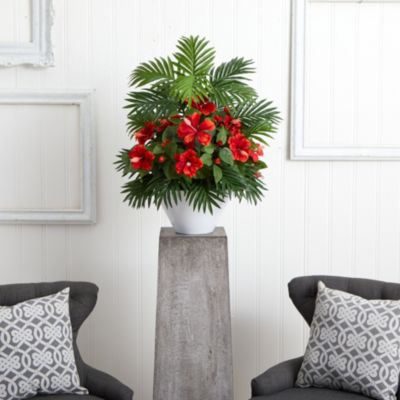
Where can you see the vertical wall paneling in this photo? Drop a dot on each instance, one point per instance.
(317, 217)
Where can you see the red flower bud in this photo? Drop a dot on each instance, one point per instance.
(165, 142)
(161, 159)
(220, 143)
(217, 161)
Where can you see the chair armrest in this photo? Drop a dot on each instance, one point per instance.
(280, 377)
(105, 386)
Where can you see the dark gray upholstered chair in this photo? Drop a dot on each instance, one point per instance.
(83, 297)
(277, 383)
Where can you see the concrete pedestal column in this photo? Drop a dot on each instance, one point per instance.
(193, 359)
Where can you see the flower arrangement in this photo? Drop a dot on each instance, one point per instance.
(199, 130)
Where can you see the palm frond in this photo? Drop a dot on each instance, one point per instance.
(194, 56)
(193, 61)
(150, 101)
(257, 116)
(233, 70)
(151, 71)
(203, 198)
(228, 81)
(231, 93)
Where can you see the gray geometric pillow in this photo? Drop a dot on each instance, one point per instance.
(36, 350)
(354, 345)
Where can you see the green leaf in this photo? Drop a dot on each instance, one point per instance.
(169, 170)
(261, 165)
(158, 149)
(226, 156)
(207, 159)
(169, 133)
(170, 149)
(209, 149)
(217, 172)
(222, 135)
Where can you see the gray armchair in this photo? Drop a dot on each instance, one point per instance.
(278, 383)
(83, 297)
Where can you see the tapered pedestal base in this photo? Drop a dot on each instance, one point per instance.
(193, 358)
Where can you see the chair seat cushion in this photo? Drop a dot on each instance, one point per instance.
(66, 397)
(312, 394)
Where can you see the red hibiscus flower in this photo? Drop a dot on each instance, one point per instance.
(141, 158)
(187, 163)
(191, 129)
(146, 133)
(240, 147)
(163, 124)
(218, 119)
(233, 125)
(257, 153)
(206, 108)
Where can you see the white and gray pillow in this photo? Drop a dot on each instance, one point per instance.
(354, 345)
(36, 349)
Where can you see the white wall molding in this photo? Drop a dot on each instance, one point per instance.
(38, 52)
(299, 149)
(87, 212)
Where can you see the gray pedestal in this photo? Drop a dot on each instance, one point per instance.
(193, 358)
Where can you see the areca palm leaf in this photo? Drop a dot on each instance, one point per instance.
(229, 93)
(257, 116)
(228, 81)
(149, 101)
(190, 87)
(123, 163)
(154, 70)
(193, 61)
(194, 56)
(233, 70)
(203, 198)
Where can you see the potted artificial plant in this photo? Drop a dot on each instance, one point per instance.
(199, 132)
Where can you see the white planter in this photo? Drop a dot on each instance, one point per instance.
(189, 222)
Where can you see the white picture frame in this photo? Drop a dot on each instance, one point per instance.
(86, 214)
(39, 51)
(298, 149)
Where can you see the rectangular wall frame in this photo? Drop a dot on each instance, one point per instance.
(39, 51)
(86, 212)
(301, 147)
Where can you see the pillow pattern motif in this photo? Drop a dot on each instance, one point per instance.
(353, 345)
(36, 349)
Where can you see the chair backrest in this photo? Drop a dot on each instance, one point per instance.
(83, 298)
(303, 290)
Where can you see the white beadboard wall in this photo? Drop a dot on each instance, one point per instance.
(318, 217)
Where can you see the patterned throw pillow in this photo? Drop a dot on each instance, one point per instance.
(36, 349)
(353, 345)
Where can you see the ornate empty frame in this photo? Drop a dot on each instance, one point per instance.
(302, 148)
(38, 52)
(86, 211)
